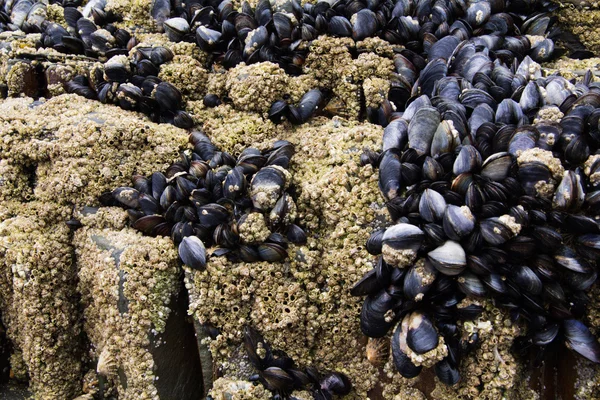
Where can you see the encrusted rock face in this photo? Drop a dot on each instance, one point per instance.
(92, 311)
(37, 286)
(127, 282)
(65, 152)
(303, 306)
(583, 19)
(75, 149)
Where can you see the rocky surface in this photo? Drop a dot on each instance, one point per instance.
(101, 310)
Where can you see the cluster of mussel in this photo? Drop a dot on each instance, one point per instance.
(279, 374)
(490, 177)
(282, 33)
(90, 31)
(133, 85)
(243, 207)
(127, 79)
(427, 29)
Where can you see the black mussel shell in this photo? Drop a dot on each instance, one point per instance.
(272, 252)
(373, 319)
(422, 335)
(336, 383)
(192, 252)
(401, 361)
(579, 338)
(447, 372)
(167, 96)
(127, 196)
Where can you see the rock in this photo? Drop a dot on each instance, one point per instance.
(135, 315)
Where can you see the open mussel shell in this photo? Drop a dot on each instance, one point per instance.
(402, 362)
(192, 252)
(449, 258)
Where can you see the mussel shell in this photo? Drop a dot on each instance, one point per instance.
(418, 280)
(401, 361)
(471, 285)
(421, 336)
(449, 258)
(373, 321)
(447, 372)
(375, 242)
(390, 174)
(432, 206)
(127, 196)
(192, 252)
(579, 338)
(336, 383)
(272, 252)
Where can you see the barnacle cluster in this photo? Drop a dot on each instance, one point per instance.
(68, 151)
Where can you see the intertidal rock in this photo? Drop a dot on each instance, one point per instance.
(135, 317)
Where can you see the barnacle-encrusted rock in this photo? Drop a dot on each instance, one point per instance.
(67, 151)
(229, 389)
(233, 130)
(137, 13)
(127, 283)
(491, 371)
(37, 284)
(188, 75)
(13, 182)
(254, 229)
(325, 52)
(21, 78)
(303, 306)
(255, 87)
(82, 148)
(583, 19)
